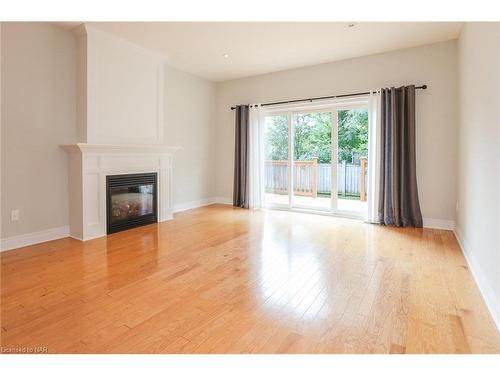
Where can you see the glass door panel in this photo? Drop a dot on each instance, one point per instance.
(277, 163)
(318, 159)
(352, 160)
(312, 164)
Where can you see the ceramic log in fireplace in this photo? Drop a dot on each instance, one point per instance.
(131, 201)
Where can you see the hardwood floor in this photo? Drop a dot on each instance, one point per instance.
(224, 280)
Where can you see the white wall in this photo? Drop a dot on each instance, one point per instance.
(434, 65)
(190, 124)
(478, 202)
(38, 115)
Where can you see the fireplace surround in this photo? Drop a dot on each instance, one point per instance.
(89, 166)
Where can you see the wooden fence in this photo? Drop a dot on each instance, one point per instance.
(311, 178)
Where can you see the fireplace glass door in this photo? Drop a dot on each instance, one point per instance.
(131, 201)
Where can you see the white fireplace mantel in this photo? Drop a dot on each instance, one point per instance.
(114, 148)
(89, 165)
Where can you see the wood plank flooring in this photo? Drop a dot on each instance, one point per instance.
(225, 280)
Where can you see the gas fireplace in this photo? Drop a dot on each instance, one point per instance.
(131, 201)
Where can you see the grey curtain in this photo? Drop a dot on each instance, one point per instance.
(241, 162)
(398, 199)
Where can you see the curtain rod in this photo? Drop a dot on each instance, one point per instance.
(423, 87)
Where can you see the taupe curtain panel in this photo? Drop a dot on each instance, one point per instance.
(398, 199)
(241, 161)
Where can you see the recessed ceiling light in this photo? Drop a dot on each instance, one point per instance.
(225, 55)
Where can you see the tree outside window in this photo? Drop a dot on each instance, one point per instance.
(312, 136)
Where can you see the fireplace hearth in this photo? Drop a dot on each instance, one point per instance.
(131, 201)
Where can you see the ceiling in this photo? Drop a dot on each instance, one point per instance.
(263, 47)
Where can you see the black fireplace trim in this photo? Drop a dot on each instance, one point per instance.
(123, 180)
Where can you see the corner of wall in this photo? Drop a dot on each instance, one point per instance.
(491, 300)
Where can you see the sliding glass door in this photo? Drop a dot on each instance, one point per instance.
(277, 160)
(352, 159)
(316, 158)
(312, 158)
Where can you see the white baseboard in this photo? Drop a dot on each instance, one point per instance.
(224, 200)
(193, 204)
(439, 224)
(34, 238)
(487, 292)
(201, 203)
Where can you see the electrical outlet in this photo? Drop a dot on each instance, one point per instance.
(14, 215)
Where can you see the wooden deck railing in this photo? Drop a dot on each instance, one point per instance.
(311, 178)
(305, 177)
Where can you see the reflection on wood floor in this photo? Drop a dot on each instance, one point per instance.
(224, 280)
